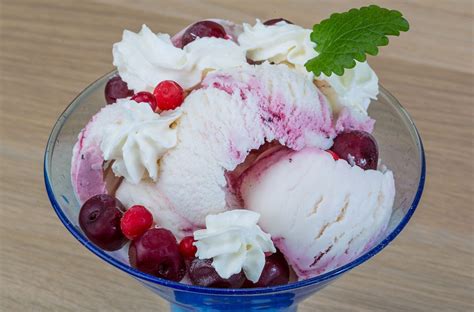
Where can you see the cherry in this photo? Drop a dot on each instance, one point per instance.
(358, 148)
(168, 94)
(273, 21)
(115, 89)
(202, 29)
(275, 272)
(156, 253)
(186, 247)
(135, 221)
(99, 218)
(145, 97)
(202, 273)
(334, 155)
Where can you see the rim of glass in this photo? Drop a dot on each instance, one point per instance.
(219, 291)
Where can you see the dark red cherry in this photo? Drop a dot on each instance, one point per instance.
(115, 89)
(202, 273)
(99, 218)
(202, 29)
(156, 252)
(275, 272)
(273, 21)
(357, 148)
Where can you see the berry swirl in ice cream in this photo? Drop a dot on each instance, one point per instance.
(236, 164)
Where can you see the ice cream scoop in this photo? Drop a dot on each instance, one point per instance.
(87, 173)
(321, 213)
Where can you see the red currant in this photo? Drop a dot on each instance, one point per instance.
(145, 97)
(186, 247)
(136, 221)
(169, 95)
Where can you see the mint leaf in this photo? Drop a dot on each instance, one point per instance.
(349, 36)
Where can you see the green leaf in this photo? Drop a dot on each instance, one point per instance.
(346, 37)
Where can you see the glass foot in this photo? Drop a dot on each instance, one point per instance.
(180, 308)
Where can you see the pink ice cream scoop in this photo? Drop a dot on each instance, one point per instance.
(87, 162)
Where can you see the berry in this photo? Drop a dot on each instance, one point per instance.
(99, 218)
(358, 148)
(275, 272)
(202, 273)
(273, 21)
(334, 155)
(202, 29)
(135, 221)
(145, 97)
(115, 89)
(168, 94)
(156, 253)
(186, 247)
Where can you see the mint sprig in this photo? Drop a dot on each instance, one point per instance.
(349, 36)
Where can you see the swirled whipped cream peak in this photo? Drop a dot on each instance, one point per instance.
(354, 90)
(236, 166)
(124, 135)
(235, 243)
(131, 141)
(277, 43)
(144, 59)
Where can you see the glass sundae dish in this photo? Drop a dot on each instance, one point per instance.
(224, 172)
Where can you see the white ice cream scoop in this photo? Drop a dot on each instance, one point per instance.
(320, 213)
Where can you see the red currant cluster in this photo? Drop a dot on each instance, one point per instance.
(167, 95)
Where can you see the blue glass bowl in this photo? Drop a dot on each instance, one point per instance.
(401, 150)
